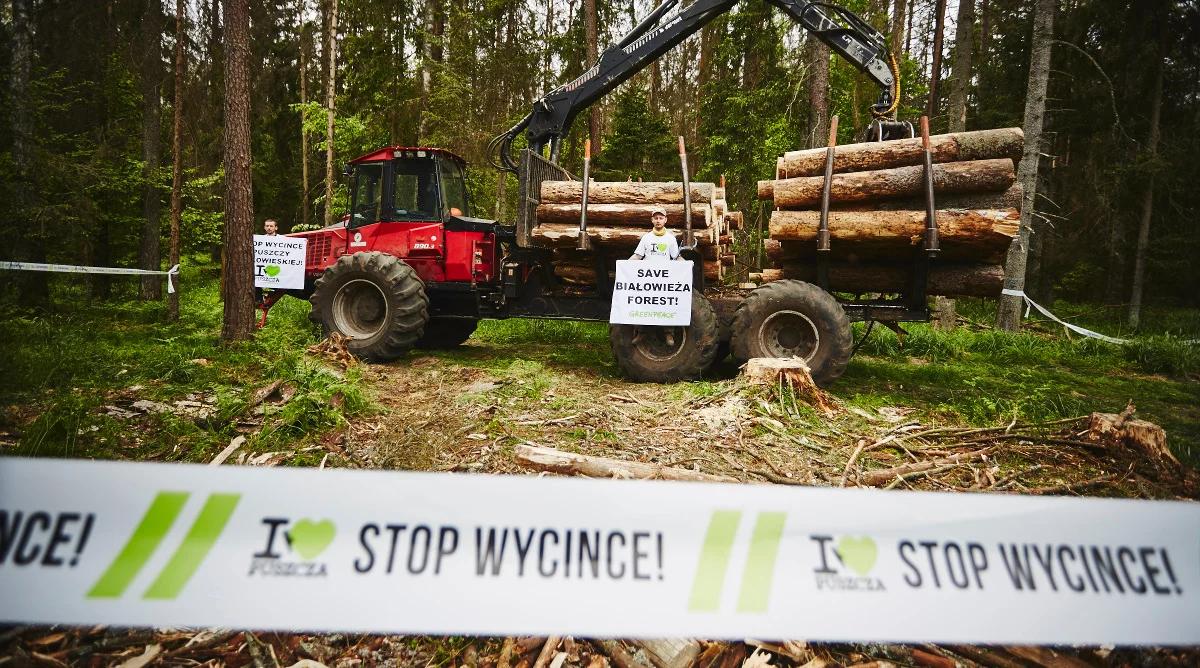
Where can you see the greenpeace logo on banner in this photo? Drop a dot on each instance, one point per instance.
(846, 564)
(279, 261)
(164, 510)
(305, 539)
(649, 292)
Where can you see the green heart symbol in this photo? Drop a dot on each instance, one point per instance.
(858, 554)
(309, 538)
(271, 270)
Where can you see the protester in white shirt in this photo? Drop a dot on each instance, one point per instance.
(658, 244)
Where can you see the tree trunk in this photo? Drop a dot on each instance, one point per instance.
(960, 79)
(1143, 239)
(951, 177)
(898, 26)
(985, 28)
(618, 192)
(908, 31)
(1009, 199)
(962, 280)
(944, 308)
(818, 92)
(628, 215)
(238, 322)
(858, 157)
(935, 70)
(148, 252)
(433, 53)
(592, 45)
(305, 40)
(32, 288)
(330, 103)
(177, 153)
(1008, 315)
(101, 256)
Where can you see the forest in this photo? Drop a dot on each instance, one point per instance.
(147, 134)
(92, 90)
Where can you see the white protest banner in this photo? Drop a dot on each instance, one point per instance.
(136, 544)
(279, 261)
(652, 292)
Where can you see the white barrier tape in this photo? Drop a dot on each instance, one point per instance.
(78, 269)
(1074, 328)
(134, 544)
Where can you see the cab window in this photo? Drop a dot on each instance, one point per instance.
(454, 190)
(414, 189)
(368, 195)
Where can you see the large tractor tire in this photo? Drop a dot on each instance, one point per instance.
(446, 333)
(376, 301)
(794, 319)
(657, 354)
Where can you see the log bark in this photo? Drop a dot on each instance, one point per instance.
(954, 177)
(959, 280)
(569, 463)
(622, 192)
(869, 156)
(966, 234)
(1009, 199)
(633, 215)
(565, 236)
(734, 220)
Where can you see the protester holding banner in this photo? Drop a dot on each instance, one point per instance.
(657, 244)
(270, 229)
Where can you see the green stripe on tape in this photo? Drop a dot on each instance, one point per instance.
(199, 540)
(714, 561)
(155, 524)
(760, 564)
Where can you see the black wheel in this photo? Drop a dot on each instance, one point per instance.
(444, 333)
(376, 301)
(657, 354)
(794, 319)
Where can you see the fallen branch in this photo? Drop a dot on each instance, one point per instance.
(1073, 486)
(569, 463)
(873, 478)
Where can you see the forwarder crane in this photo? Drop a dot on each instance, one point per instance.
(410, 267)
(841, 29)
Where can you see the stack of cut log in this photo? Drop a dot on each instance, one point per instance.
(877, 212)
(619, 214)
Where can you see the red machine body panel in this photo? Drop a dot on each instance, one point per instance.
(435, 254)
(408, 202)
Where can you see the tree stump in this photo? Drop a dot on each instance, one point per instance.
(791, 372)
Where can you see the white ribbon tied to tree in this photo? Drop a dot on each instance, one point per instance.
(77, 269)
(1074, 328)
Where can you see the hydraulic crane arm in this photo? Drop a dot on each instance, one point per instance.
(842, 30)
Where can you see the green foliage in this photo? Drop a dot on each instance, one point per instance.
(69, 366)
(639, 143)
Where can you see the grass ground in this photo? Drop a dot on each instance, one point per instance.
(113, 380)
(59, 371)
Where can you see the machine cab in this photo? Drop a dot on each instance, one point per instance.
(413, 203)
(407, 185)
